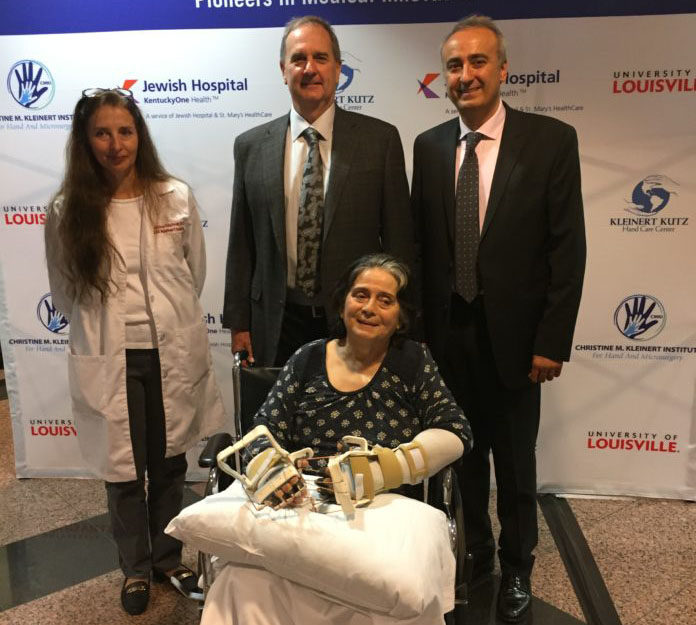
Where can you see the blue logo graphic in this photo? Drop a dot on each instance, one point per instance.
(347, 74)
(640, 317)
(50, 317)
(31, 84)
(651, 195)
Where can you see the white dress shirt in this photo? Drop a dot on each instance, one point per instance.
(296, 150)
(486, 152)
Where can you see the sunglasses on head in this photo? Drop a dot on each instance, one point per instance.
(94, 92)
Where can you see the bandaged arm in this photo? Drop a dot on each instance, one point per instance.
(410, 463)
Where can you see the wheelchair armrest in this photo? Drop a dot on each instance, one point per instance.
(440, 490)
(216, 443)
(444, 494)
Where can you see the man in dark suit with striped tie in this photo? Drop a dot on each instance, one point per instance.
(496, 195)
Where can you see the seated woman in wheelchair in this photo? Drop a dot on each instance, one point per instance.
(368, 381)
(371, 383)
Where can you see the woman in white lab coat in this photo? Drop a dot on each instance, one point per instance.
(126, 261)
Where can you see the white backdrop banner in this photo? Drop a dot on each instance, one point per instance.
(621, 419)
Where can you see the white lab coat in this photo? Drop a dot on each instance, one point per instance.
(173, 261)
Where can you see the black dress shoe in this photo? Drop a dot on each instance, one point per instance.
(183, 579)
(514, 597)
(135, 595)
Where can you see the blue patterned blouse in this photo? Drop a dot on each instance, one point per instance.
(405, 397)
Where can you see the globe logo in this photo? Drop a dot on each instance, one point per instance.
(651, 195)
(347, 74)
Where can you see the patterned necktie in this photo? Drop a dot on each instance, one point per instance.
(467, 221)
(310, 217)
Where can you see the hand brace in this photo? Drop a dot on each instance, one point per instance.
(362, 472)
(269, 471)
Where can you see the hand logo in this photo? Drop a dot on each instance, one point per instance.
(55, 319)
(31, 84)
(640, 317)
(50, 317)
(29, 91)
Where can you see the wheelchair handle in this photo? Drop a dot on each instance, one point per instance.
(240, 357)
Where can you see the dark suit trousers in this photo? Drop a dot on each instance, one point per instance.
(503, 421)
(301, 324)
(139, 516)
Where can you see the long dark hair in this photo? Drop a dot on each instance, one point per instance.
(86, 191)
(398, 270)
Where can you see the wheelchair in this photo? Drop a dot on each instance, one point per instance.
(251, 386)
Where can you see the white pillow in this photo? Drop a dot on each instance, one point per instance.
(393, 558)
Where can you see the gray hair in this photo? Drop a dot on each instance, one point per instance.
(398, 270)
(296, 22)
(480, 21)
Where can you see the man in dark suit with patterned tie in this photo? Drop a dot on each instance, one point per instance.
(313, 191)
(496, 195)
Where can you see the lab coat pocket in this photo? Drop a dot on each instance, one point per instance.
(86, 375)
(192, 343)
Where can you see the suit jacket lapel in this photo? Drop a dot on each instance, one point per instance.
(448, 160)
(510, 145)
(344, 142)
(273, 158)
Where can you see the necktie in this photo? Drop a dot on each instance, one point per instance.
(467, 221)
(310, 217)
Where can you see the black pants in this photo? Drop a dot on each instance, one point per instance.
(505, 421)
(301, 324)
(139, 516)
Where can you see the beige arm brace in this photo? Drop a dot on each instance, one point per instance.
(362, 473)
(441, 447)
(425, 455)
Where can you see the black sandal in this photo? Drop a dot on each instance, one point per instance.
(183, 579)
(135, 596)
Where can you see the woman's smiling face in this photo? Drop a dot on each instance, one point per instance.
(371, 309)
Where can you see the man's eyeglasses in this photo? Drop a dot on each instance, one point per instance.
(97, 91)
